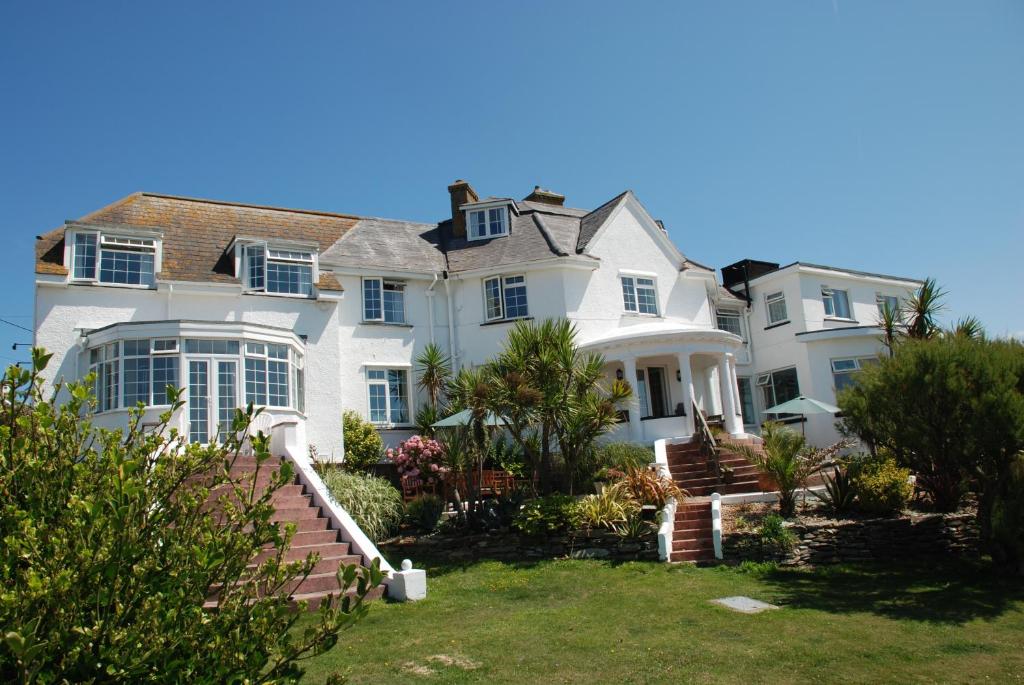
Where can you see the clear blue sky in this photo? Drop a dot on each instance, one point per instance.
(884, 136)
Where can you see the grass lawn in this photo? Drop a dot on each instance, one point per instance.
(596, 622)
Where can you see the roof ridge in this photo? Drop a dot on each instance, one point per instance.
(230, 203)
(611, 201)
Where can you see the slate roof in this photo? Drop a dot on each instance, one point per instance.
(197, 234)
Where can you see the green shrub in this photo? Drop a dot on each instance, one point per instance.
(425, 512)
(363, 446)
(882, 487)
(1008, 518)
(612, 506)
(374, 503)
(548, 515)
(108, 553)
(839, 493)
(775, 536)
(621, 456)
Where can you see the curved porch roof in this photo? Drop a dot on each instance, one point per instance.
(663, 334)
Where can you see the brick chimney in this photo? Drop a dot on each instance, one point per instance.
(545, 196)
(462, 193)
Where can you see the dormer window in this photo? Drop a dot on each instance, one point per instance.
(277, 269)
(98, 257)
(488, 223)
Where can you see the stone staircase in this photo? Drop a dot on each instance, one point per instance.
(313, 535)
(694, 473)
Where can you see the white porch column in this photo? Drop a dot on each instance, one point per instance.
(686, 381)
(736, 390)
(635, 429)
(728, 396)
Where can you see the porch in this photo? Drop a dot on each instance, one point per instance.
(673, 369)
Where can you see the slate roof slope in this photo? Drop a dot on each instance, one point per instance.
(590, 224)
(198, 232)
(388, 244)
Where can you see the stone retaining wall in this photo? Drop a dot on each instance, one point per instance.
(510, 546)
(905, 538)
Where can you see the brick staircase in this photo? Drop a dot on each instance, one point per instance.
(691, 470)
(313, 534)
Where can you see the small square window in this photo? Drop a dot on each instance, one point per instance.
(776, 303)
(487, 223)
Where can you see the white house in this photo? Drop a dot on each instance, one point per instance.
(309, 313)
(808, 329)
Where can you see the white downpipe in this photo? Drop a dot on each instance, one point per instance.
(452, 352)
(430, 306)
(716, 523)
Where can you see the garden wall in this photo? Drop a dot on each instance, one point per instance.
(833, 542)
(508, 546)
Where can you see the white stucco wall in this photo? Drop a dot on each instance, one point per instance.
(62, 313)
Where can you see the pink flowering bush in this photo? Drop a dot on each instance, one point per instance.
(419, 457)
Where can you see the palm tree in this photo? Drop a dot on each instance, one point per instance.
(546, 389)
(922, 309)
(434, 369)
(890, 320)
(470, 389)
(968, 327)
(785, 456)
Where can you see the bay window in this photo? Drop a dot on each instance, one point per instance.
(388, 396)
(639, 295)
(505, 298)
(128, 372)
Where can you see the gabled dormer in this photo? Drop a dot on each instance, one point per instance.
(276, 266)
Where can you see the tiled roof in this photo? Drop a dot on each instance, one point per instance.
(590, 223)
(387, 244)
(197, 233)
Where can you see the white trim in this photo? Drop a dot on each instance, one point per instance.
(641, 274)
(583, 262)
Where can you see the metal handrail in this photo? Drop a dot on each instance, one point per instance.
(706, 439)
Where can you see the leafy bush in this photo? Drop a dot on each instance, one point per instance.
(1008, 516)
(621, 456)
(373, 502)
(648, 486)
(775, 536)
(839, 493)
(633, 527)
(612, 506)
(508, 456)
(882, 487)
(548, 515)
(363, 446)
(425, 512)
(109, 552)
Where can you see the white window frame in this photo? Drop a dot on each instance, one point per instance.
(767, 379)
(731, 313)
(828, 301)
(386, 369)
(302, 255)
(857, 364)
(634, 280)
(882, 298)
(381, 285)
(502, 283)
(112, 241)
(488, 225)
(769, 300)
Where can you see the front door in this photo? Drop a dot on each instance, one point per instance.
(656, 387)
(211, 399)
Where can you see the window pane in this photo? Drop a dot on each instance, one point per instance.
(477, 224)
(786, 386)
(398, 396)
(227, 381)
(85, 255)
(842, 380)
(646, 296)
(165, 372)
(394, 303)
(130, 268)
(378, 403)
(300, 389)
(371, 299)
(198, 402)
(136, 379)
(293, 279)
(255, 348)
(497, 221)
(492, 291)
(826, 299)
(629, 294)
(730, 321)
(776, 308)
(255, 256)
(277, 383)
(196, 346)
(111, 384)
(165, 345)
(515, 297)
(746, 399)
(256, 381)
(841, 303)
(376, 374)
(277, 351)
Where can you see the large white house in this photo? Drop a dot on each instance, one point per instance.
(309, 313)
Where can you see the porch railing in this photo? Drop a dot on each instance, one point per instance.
(706, 440)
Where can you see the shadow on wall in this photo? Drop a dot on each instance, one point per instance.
(954, 592)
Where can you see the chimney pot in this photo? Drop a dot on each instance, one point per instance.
(545, 196)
